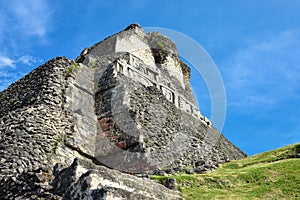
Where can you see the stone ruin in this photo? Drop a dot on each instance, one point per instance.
(95, 127)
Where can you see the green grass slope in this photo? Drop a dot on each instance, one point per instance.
(270, 175)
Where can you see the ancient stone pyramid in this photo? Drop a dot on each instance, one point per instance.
(124, 104)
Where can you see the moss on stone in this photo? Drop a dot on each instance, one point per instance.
(71, 68)
(160, 44)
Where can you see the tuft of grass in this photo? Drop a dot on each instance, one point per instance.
(61, 139)
(160, 44)
(71, 68)
(270, 175)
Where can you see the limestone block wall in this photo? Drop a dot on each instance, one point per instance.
(157, 53)
(80, 103)
(32, 118)
(52, 119)
(134, 68)
(41, 86)
(140, 129)
(128, 109)
(112, 108)
(150, 59)
(146, 112)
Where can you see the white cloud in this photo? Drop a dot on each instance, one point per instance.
(11, 69)
(33, 17)
(6, 62)
(22, 20)
(23, 23)
(266, 73)
(29, 60)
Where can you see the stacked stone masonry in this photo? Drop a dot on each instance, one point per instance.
(31, 125)
(134, 68)
(125, 103)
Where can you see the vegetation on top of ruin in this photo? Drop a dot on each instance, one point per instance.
(71, 68)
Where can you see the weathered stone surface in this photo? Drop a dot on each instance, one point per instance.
(31, 127)
(84, 180)
(126, 103)
(147, 116)
(80, 102)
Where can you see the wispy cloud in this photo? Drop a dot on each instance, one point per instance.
(23, 24)
(32, 16)
(11, 69)
(21, 21)
(6, 62)
(266, 73)
(29, 60)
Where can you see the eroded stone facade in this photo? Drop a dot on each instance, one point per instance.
(125, 103)
(137, 70)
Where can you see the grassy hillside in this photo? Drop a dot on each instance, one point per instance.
(271, 175)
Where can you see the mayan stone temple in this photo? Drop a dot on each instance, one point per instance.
(97, 127)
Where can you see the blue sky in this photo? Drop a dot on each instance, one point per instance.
(255, 45)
